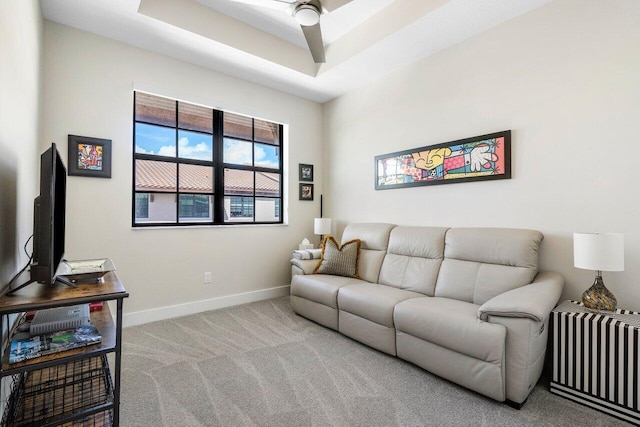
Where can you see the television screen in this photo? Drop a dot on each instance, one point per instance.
(49, 217)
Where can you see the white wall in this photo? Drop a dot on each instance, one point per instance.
(88, 82)
(564, 79)
(20, 87)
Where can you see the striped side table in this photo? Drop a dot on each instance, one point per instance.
(595, 359)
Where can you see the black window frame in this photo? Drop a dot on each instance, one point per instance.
(219, 167)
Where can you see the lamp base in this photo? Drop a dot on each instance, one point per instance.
(598, 297)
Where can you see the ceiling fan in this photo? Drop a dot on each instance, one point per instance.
(307, 14)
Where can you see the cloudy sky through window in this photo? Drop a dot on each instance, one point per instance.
(160, 141)
(239, 153)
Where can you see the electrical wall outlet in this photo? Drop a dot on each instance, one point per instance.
(207, 277)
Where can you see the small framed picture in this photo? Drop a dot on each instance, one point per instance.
(89, 156)
(306, 172)
(306, 191)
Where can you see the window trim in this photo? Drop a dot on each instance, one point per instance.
(219, 167)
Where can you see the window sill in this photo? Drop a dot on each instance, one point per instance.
(190, 227)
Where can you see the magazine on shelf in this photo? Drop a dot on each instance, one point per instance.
(40, 345)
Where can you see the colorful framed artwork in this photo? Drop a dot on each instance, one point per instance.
(481, 158)
(89, 156)
(305, 172)
(306, 191)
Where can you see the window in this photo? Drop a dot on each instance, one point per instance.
(142, 206)
(241, 207)
(198, 165)
(194, 206)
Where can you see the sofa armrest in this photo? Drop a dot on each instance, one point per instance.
(305, 266)
(524, 312)
(534, 301)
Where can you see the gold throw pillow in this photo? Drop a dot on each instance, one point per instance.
(339, 260)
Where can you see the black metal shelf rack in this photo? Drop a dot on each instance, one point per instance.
(78, 387)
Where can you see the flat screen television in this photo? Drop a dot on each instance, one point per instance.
(48, 220)
(48, 217)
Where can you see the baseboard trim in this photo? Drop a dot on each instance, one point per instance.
(163, 313)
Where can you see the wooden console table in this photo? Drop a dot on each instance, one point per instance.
(75, 385)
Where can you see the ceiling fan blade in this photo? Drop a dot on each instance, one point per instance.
(313, 34)
(271, 4)
(330, 5)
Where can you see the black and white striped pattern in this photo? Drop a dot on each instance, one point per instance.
(595, 359)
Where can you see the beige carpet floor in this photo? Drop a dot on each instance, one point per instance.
(262, 365)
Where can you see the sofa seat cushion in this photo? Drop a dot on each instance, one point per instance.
(320, 288)
(372, 301)
(451, 324)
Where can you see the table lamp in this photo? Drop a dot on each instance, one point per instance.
(322, 226)
(599, 252)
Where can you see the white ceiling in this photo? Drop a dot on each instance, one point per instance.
(364, 39)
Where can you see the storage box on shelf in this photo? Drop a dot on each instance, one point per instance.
(50, 393)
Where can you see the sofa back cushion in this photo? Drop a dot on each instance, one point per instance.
(374, 238)
(413, 258)
(480, 263)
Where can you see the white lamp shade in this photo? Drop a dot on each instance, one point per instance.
(598, 251)
(322, 226)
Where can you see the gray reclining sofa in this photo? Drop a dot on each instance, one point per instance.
(467, 304)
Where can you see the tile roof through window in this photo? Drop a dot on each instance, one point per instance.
(161, 176)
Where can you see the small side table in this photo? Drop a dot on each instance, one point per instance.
(596, 360)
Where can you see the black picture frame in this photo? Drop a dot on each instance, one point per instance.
(479, 158)
(305, 172)
(89, 157)
(306, 191)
